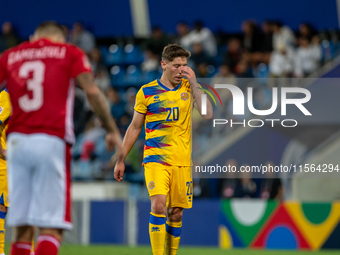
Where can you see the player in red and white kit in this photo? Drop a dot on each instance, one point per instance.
(40, 80)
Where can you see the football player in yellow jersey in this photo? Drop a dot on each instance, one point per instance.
(5, 113)
(165, 105)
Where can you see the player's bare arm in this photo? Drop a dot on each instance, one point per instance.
(101, 108)
(130, 138)
(190, 74)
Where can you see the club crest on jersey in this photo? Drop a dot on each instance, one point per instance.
(1, 109)
(156, 98)
(184, 96)
(151, 185)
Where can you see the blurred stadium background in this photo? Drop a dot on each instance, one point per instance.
(228, 40)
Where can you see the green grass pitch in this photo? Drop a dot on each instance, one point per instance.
(144, 250)
(185, 250)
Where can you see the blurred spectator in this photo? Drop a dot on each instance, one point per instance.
(124, 123)
(67, 32)
(8, 38)
(96, 60)
(151, 62)
(272, 189)
(92, 133)
(242, 70)
(234, 53)
(204, 36)
(267, 41)
(202, 71)
(251, 37)
(81, 113)
(82, 38)
(201, 188)
(199, 56)
(102, 77)
(271, 186)
(224, 76)
(282, 35)
(281, 62)
(117, 105)
(306, 29)
(157, 41)
(227, 185)
(135, 157)
(130, 101)
(245, 187)
(307, 57)
(183, 38)
(243, 80)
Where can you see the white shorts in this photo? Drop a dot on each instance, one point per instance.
(39, 181)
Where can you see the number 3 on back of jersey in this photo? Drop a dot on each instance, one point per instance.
(35, 85)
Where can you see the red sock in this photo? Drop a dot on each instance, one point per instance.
(21, 248)
(47, 245)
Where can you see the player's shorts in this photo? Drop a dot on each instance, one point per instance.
(173, 181)
(3, 187)
(39, 181)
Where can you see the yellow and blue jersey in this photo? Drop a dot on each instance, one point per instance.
(5, 113)
(167, 122)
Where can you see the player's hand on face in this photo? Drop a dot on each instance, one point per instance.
(189, 73)
(119, 171)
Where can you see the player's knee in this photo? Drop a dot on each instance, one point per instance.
(23, 234)
(175, 214)
(56, 233)
(158, 207)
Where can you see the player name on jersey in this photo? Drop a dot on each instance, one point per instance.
(38, 53)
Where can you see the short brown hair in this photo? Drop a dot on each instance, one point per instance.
(49, 28)
(173, 51)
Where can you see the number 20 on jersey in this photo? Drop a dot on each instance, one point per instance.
(173, 114)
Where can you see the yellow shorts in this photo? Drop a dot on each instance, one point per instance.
(173, 181)
(3, 188)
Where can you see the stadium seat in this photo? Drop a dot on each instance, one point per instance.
(117, 76)
(132, 76)
(84, 170)
(112, 55)
(104, 51)
(328, 50)
(211, 71)
(133, 54)
(147, 77)
(261, 72)
(221, 51)
(74, 169)
(103, 154)
(218, 59)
